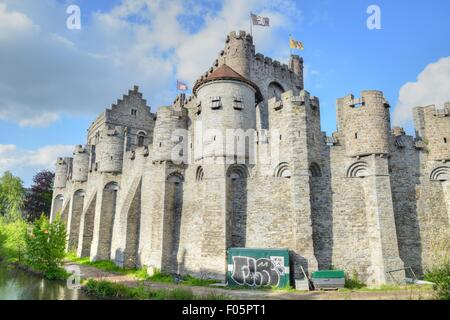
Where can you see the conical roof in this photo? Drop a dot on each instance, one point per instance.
(224, 72)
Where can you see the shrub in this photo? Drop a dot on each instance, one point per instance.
(12, 240)
(45, 247)
(353, 282)
(438, 271)
(440, 276)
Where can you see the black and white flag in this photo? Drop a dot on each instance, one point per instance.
(259, 21)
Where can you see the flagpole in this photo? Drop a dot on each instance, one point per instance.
(290, 47)
(251, 24)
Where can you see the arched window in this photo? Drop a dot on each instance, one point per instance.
(358, 169)
(283, 170)
(199, 174)
(275, 90)
(440, 174)
(141, 139)
(314, 170)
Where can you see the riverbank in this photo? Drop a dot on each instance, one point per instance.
(410, 292)
(19, 284)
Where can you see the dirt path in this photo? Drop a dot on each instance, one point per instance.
(413, 293)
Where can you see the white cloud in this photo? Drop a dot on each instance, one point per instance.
(26, 163)
(39, 121)
(12, 23)
(50, 69)
(431, 87)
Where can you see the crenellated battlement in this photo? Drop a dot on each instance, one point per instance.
(239, 35)
(365, 123)
(433, 127)
(302, 99)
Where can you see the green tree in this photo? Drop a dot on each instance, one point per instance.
(39, 199)
(11, 196)
(45, 247)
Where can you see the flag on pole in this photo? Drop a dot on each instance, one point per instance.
(181, 86)
(260, 21)
(295, 44)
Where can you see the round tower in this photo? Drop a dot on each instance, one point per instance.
(110, 149)
(165, 137)
(80, 164)
(365, 124)
(434, 128)
(62, 168)
(239, 52)
(228, 103)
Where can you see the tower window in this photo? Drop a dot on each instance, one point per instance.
(445, 140)
(238, 103)
(133, 112)
(356, 135)
(141, 141)
(216, 103)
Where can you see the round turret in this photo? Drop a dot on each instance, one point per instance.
(434, 129)
(365, 124)
(80, 164)
(227, 104)
(110, 150)
(165, 135)
(62, 168)
(239, 52)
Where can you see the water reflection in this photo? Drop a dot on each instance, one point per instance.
(19, 285)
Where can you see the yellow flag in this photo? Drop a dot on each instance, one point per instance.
(296, 44)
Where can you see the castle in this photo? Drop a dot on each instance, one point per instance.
(174, 190)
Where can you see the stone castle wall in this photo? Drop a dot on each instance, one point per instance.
(368, 199)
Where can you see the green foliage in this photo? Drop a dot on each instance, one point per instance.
(11, 197)
(440, 276)
(39, 198)
(353, 282)
(141, 273)
(161, 277)
(45, 247)
(110, 290)
(12, 239)
(438, 271)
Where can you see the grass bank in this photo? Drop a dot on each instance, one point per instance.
(109, 290)
(141, 273)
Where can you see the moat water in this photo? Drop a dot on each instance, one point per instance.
(20, 285)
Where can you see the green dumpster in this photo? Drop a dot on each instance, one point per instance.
(258, 267)
(328, 279)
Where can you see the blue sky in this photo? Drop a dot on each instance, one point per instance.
(54, 81)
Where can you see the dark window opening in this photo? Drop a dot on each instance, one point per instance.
(141, 140)
(133, 112)
(356, 136)
(445, 140)
(216, 103)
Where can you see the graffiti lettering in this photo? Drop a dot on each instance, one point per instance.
(252, 272)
